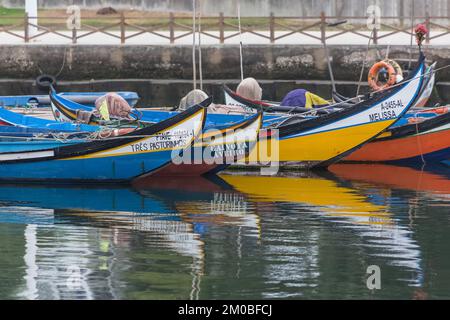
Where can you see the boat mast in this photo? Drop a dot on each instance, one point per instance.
(240, 39)
(194, 69)
(200, 67)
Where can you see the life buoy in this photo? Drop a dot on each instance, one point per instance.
(373, 75)
(396, 66)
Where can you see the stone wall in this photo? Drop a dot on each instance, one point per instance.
(163, 74)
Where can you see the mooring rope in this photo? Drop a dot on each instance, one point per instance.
(200, 67)
(194, 62)
(240, 39)
(364, 63)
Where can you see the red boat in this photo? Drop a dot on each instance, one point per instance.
(426, 141)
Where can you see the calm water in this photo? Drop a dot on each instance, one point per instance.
(308, 236)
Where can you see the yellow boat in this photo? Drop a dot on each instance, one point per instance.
(324, 140)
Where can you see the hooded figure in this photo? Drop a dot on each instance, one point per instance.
(192, 98)
(111, 104)
(249, 89)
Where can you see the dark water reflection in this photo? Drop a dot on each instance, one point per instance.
(238, 236)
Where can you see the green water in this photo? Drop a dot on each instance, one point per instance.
(303, 236)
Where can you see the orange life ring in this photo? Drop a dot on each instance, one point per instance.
(373, 75)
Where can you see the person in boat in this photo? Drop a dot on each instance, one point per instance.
(249, 89)
(196, 96)
(112, 105)
(192, 98)
(304, 99)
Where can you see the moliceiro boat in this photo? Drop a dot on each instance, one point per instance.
(116, 159)
(426, 141)
(215, 149)
(321, 141)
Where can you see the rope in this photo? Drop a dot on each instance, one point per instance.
(412, 35)
(199, 49)
(419, 144)
(240, 39)
(62, 66)
(364, 63)
(194, 68)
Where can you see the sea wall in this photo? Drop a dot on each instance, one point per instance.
(166, 69)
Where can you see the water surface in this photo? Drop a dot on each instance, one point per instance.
(237, 236)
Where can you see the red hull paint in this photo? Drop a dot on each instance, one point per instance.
(172, 171)
(402, 148)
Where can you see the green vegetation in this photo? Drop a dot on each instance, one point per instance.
(11, 12)
(9, 17)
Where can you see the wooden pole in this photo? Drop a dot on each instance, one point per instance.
(122, 28)
(323, 26)
(221, 28)
(74, 35)
(26, 35)
(171, 27)
(272, 27)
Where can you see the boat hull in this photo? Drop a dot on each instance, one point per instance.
(431, 145)
(119, 159)
(215, 150)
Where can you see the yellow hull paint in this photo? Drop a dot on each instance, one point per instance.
(320, 146)
(331, 198)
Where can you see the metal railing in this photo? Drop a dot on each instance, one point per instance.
(221, 28)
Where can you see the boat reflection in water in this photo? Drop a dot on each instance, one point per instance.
(234, 236)
(344, 207)
(173, 219)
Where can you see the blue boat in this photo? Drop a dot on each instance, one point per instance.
(118, 159)
(65, 110)
(14, 144)
(87, 98)
(10, 118)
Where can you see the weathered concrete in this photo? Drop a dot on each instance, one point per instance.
(279, 67)
(84, 62)
(169, 92)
